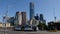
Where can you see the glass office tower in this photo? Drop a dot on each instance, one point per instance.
(31, 10)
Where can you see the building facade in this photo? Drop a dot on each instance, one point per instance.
(31, 10)
(23, 18)
(54, 25)
(18, 18)
(34, 23)
(4, 24)
(11, 21)
(36, 17)
(41, 17)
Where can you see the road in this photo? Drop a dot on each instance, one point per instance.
(22, 32)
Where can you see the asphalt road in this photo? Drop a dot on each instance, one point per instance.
(26, 32)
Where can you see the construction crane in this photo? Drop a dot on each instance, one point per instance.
(54, 15)
(5, 19)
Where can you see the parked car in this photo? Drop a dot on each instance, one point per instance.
(28, 28)
(17, 28)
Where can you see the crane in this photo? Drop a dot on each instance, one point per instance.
(5, 19)
(54, 15)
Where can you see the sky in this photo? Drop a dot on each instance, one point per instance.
(41, 7)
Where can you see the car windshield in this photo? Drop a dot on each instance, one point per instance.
(18, 27)
(27, 26)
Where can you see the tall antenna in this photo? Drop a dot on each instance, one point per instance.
(54, 15)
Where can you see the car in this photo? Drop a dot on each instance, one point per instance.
(17, 28)
(28, 28)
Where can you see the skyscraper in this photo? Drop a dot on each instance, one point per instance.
(41, 17)
(18, 18)
(31, 10)
(23, 18)
(37, 17)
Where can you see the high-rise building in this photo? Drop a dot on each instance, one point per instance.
(41, 17)
(31, 10)
(18, 18)
(23, 18)
(11, 21)
(44, 21)
(37, 17)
